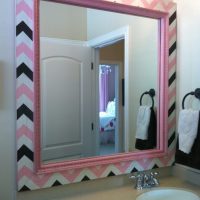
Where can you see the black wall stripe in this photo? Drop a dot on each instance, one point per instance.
(172, 18)
(22, 27)
(24, 110)
(171, 139)
(172, 78)
(25, 151)
(172, 108)
(24, 69)
(172, 48)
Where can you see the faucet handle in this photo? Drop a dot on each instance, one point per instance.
(153, 178)
(139, 180)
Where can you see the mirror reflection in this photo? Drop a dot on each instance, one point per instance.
(94, 68)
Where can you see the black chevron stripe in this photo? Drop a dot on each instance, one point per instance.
(24, 110)
(24, 69)
(155, 166)
(111, 174)
(172, 78)
(56, 183)
(24, 188)
(25, 151)
(134, 170)
(85, 178)
(171, 139)
(172, 48)
(23, 27)
(171, 109)
(172, 18)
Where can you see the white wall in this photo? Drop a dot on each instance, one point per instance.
(7, 101)
(63, 21)
(143, 55)
(188, 58)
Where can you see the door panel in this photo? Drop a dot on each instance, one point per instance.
(66, 100)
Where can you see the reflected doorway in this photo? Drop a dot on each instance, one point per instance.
(111, 108)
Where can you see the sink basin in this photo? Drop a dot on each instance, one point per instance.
(168, 194)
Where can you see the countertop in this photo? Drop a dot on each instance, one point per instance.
(128, 192)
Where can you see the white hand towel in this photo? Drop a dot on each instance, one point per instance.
(187, 129)
(143, 119)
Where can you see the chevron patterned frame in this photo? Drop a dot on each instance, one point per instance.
(26, 177)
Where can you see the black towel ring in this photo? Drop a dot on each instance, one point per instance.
(196, 93)
(151, 93)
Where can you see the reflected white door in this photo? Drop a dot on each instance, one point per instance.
(66, 97)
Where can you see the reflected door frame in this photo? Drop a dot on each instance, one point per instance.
(102, 41)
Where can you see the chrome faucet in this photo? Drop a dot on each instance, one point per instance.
(145, 180)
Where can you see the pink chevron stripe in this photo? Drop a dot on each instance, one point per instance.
(172, 93)
(144, 163)
(167, 6)
(24, 90)
(98, 170)
(167, 158)
(123, 166)
(39, 180)
(128, 2)
(172, 63)
(23, 130)
(23, 48)
(172, 33)
(150, 5)
(172, 123)
(22, 6)
(71, 175)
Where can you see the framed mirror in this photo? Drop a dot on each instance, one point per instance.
(91, 85)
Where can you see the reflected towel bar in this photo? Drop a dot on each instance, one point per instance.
(151, 93)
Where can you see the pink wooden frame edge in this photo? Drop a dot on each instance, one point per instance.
(163, 96)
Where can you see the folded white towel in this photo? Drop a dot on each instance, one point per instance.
(187, 129)
(143, 119)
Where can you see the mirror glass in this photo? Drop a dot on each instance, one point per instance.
(98, 82)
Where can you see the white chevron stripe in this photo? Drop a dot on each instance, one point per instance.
(28, 182)
(25, 141)
(172, 25)
(172, 56)
(109, 169)
(136, 165)
(171, 131)
(56, 177)
(171, 72)
(85, 172)
(172, 146)
(23, 99)
(172, 116)
(23, 79)
(28, 2)
(22, 16)
(24, 59)
(173, 39)
(171, 101)
(172, 86)
(23, 120)
(172, 10)
(24, 161)
(23, 38)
